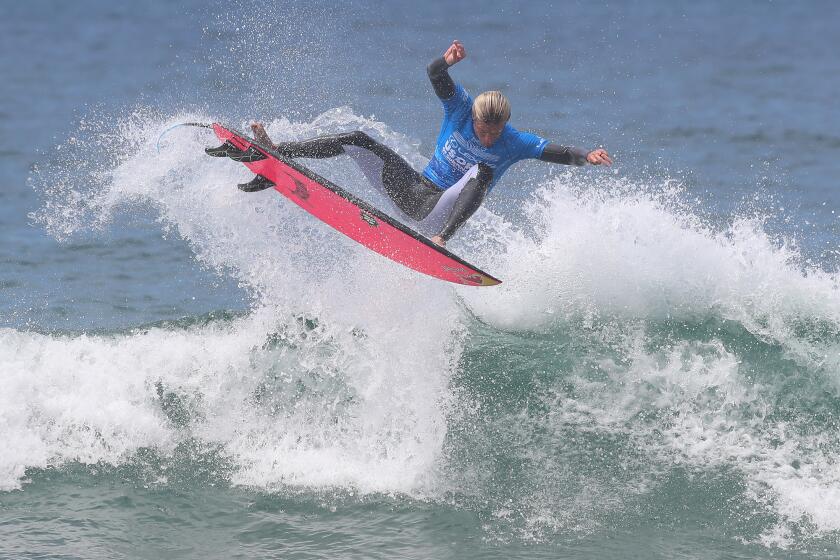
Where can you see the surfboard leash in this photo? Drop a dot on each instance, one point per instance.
(162, 134)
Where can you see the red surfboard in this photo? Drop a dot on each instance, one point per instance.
(354, 217)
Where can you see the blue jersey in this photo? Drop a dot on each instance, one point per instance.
(458, 148)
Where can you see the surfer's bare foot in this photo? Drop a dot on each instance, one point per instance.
(260, 134)
(438, 240)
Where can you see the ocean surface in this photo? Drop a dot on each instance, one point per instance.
(189, 371)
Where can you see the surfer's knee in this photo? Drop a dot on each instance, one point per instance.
(478, 185)
(356, 138)
(485, 175)
(469, 200)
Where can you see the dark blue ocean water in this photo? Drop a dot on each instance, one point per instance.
(186, 370)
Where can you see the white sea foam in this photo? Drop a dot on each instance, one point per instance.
(614, 258)
(627, 250)
(333, 404)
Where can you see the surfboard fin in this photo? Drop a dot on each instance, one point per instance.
(258, 183)
(229, 150)
(222, 151)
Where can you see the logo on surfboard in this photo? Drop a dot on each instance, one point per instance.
(300, 190)
(369, 219)
(465, 274)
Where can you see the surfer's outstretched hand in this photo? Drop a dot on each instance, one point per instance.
(438, 240)
(455, 53)
(599, 157)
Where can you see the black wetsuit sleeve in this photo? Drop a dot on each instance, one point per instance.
(567, 155)
(438, 71)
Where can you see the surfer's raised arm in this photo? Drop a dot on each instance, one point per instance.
(438, 70)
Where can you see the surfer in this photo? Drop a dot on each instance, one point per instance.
(475, 147)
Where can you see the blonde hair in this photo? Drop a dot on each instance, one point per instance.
(491, 107)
